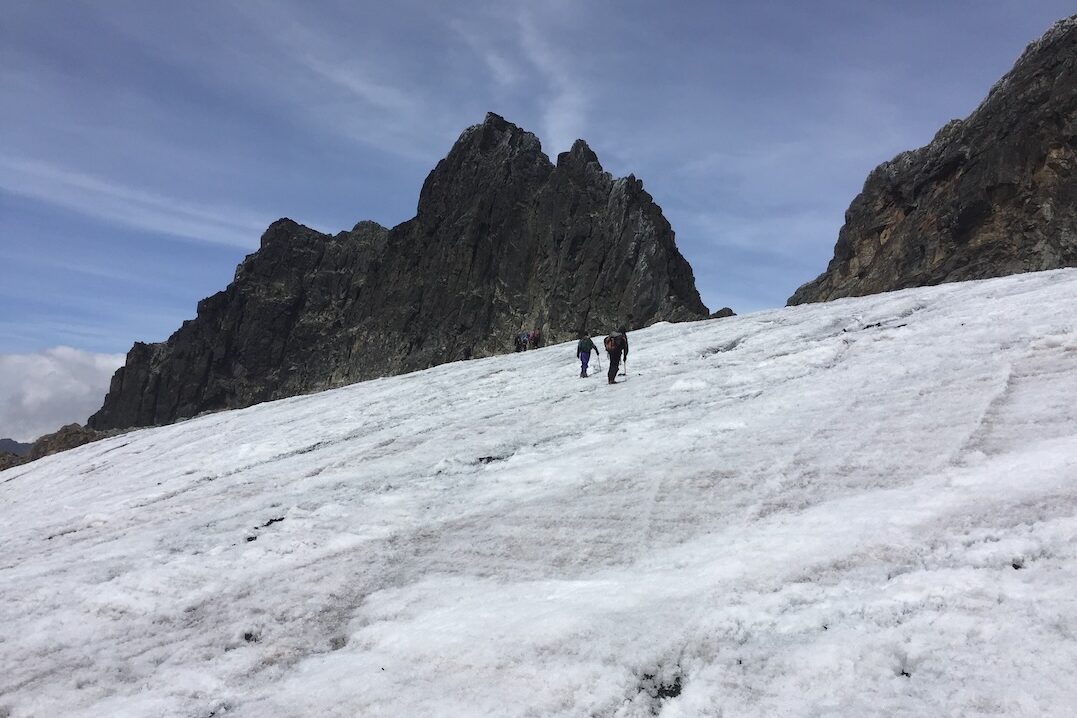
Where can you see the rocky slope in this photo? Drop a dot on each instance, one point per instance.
(9, 459)
(66, 437)
(503, 240)
(993, 194)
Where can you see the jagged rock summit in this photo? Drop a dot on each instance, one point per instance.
(503, 240)
(991, 195)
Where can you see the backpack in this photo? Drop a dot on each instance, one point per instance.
(614, 343)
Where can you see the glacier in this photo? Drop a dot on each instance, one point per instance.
(861, 508)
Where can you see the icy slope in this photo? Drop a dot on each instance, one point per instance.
(862, 508)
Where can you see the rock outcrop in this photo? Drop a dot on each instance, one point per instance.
(9, 459)
(503, 240)
(993, 194)
(64, 438)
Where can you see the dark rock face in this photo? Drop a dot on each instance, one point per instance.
(723, 313)
(503, 240)
(992, 195)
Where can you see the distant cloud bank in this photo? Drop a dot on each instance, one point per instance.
(41, 392)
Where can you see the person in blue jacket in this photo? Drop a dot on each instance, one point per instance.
(583, 350)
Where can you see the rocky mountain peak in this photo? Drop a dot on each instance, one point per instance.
(491, 159)
(992, 194)
(502, 241)
(367, 227)
(496, 137)
(580, 155)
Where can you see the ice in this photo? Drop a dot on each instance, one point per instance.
(861, 508)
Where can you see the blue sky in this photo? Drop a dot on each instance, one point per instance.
(146, 145)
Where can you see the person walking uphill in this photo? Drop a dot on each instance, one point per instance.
(583, 350)
(616, 346)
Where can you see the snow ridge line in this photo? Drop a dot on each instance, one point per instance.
(977, 432)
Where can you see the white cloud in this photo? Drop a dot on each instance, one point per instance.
(102, 198)
(335, 84)
(357, 80)
(790, 233)
(502, 70)
(564, 116)
(41, 392)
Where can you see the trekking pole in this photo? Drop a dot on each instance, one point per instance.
(624, 371)
(598, 360)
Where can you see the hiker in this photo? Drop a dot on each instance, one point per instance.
(616, 346)
(533, 338)
(583, 350)
(521, 341)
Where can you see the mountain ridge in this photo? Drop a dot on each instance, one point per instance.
(503, 240)
(19, 448)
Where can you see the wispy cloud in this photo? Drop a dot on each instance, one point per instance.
(114, 202)
(357, 80)
(564, 116)
(119, 332)
(41, 392)
(337, 85)
(503, 70)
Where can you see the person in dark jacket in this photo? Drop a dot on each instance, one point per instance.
(617, 347)
(583, 350)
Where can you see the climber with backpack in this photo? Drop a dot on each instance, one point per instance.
(616, 345)
(583, 350)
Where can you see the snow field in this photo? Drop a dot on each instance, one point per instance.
(861, 508)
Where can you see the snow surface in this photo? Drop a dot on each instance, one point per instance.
(861, 508)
